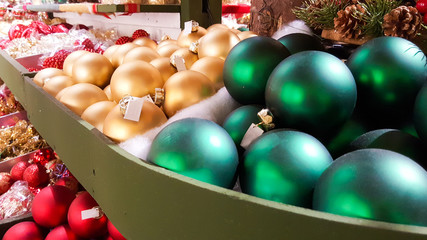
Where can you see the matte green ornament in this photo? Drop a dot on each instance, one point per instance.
(389, 72)
(239, 120)
(248, 66)
(393, 140)
(340, 143)
(311, 91)
(374, 184)
(298, 42)
(283, 166)
(196, 148)
(420, 113)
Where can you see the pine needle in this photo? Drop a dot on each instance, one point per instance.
(319, 14)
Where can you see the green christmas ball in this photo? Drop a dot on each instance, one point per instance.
(389, 72)
(311, 91)
(298, 42)
(339, 144)
(393, 140)
(196, 148)
(374, 184)
(248, 66)
(420, 113)
(239, 120)
(284, 166)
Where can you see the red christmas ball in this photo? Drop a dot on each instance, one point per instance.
(86, 227)
(70, 182)
(114, 233)
(425, 19)
(35, 175)
(24, 231)
(62, 232)
(50, 206)
(6, 182)
(422, 6)
(18, 169)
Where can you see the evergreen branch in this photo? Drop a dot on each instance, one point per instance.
(319, 14)
(375, 10)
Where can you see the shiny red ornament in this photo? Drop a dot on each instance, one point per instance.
(422, 6)
(114, 233)
(50, 206)
(70, 182)
(6, 182)
(43, 156)
(42, 27)
(35, 175)
(29, 32)
(90, 227)
(62, 232)
(16, 31)
(24, 231)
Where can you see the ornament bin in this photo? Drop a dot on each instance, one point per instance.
(148, 202)
(6, 166)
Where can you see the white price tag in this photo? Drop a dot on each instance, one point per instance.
(188, 26)
(133, 109)
(251, 134)
(91, 213)
(180, 63)
(148, 98)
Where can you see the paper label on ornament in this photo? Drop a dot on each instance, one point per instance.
(148, 98)
(251, 134)
(180, 63)
(188, 26)
(91, 213)
(133, 109)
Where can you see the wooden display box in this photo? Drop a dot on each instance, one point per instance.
(148, 202)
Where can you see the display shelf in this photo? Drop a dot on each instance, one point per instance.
(202, 11)
(148, 202)
(102, 8)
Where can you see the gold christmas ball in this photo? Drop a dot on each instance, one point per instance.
(184, 89)
(60, 93)
(217, 25)
(141, 53)
(107, 91)
(55, 84)
(185, 40)
(146, 42)
(80, 96)
(109, 52)
(93, 68)
(217, 43)
(246, 34)
(166, 42)
(46, 73)
(137, 79)
(211, 67)
(119, 54)
(164, 66)
(236, 31)
(96, 113)
(167, 49)
(119, 129)
(70, 60)
(188, 56)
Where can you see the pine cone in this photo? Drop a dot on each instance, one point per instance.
(348, 22)
(402, 21)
